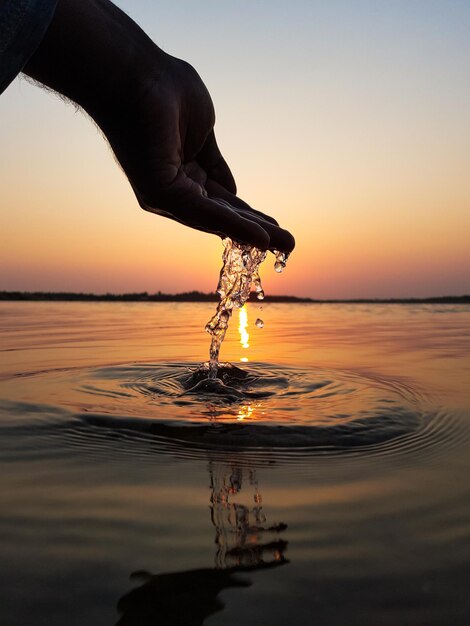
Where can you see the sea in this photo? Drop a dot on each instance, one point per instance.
(323, 479)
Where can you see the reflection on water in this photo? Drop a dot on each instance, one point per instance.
(242, 535)
(343, 447)
(244, 542)
(180, 598)
(243, 330)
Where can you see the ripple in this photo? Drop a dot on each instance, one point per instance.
(294, 412)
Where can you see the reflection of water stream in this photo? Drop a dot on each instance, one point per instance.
(241, 528)
(245, 542)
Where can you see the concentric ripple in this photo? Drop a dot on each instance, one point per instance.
(306, 411)
(262, 405)
(273, 394)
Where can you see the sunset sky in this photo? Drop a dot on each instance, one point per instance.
(349, 121)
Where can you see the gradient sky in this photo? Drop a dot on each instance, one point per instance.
(349, 121)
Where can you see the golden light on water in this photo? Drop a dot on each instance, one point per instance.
(245, 412)
(242, 329)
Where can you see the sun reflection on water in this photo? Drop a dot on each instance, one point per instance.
(245, 412)
(242, 329)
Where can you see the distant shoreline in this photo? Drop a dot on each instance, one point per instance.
(198, 296)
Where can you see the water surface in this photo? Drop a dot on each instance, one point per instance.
(324, 481)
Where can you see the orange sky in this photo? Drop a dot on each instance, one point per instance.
(350, 125)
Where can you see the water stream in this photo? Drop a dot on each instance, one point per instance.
(240, 270)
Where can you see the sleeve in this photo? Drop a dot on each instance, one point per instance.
(23, 24)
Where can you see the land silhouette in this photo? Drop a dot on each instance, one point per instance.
(199, 296)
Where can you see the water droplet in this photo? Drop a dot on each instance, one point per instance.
(259, 322)
(281, 260)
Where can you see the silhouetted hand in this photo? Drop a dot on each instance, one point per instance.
(157, 116)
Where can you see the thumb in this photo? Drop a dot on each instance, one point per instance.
(214, 164)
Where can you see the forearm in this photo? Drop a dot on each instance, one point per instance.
(94, 54)
(157, 115)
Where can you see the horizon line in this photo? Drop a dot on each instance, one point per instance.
(199, 296)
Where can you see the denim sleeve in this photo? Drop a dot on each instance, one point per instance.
(23, 24)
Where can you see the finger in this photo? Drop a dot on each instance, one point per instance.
(210, 216)
(219, 175)
(184, 201)
(280, 239)
(217, 190)
(212, 161)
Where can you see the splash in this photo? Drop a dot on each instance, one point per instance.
(240, 270)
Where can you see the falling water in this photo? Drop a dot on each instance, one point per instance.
(239, 271)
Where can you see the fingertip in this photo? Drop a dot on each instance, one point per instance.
(288, 241)
(281, 240)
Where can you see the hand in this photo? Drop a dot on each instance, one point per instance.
(168, 150)
(157, 115)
